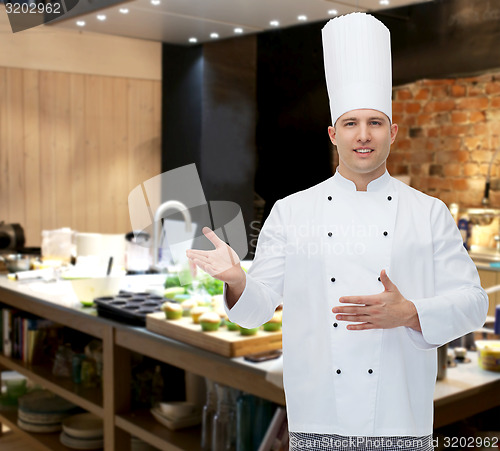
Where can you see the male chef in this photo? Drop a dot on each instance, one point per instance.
(372, 274)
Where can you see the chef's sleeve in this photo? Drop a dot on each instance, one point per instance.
(264, 281)
(459, 305)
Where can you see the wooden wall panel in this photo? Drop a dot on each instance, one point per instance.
(48, 158)
(31, 124)
(72, 147)
(77, 144)
(61, 148)
(15, 143)
(119, 145)
(4, 164)
(93, 124)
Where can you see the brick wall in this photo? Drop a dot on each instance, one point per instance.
(448, 131)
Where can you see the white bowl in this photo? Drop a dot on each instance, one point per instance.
(88, 289)
(177, 409)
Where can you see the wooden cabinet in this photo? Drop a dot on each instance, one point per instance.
(113, 402)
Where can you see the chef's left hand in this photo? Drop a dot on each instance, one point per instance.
(379, 311)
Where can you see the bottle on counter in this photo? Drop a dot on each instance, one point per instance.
(208, 414)
(464, 227)
(157, 386)
(245, 413)
(224, 423)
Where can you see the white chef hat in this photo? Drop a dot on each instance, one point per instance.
(357, 55)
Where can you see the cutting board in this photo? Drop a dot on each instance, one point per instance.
(223, 342)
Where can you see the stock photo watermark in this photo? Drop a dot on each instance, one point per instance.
(176, 224)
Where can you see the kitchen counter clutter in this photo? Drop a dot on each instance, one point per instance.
(466, 390)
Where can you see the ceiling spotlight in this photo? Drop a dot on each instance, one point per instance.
(193, 40)
(101, 17)
(124, 10)
(80, 23)
(384, 2)
(274, 23)
(214, 35)
(302, 17)
(155, 2)
(333, 12)
(238, 30)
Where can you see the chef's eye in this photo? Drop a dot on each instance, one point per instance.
(376, 123)
(349, 124)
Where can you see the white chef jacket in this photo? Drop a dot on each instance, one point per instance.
(330, 241)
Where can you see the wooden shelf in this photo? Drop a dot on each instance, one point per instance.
(143, 425)
(198, 361)
(48, 442)
(87, 398)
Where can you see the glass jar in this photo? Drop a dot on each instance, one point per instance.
(244, 422)
(224, 426)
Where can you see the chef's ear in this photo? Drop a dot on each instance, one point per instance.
(394, 132)
(332, 133)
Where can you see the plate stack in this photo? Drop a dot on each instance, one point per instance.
(42, 411)
(83, 431)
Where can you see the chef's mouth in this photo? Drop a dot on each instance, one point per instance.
(363, 150)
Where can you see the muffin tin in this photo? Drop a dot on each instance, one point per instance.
(130, 308)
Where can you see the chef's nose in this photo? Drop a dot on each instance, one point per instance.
(363, 133)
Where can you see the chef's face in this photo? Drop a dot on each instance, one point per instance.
(363, 139)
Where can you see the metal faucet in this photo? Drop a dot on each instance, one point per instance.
(486, 197)
(160, 211)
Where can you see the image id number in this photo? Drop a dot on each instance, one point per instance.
(33, 8)
(470, 442)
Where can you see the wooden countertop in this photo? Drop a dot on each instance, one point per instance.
(466, 391)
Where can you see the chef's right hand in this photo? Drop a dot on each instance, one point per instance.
(222, 262)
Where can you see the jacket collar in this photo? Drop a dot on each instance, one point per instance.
(375, 185)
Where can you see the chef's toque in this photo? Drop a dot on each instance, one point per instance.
(357, 56)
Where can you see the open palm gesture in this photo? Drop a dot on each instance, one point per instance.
(221, 263)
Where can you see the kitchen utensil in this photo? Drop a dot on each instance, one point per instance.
(78, 443)
(57, 245)
(137, 252)
(130, 308)
(177, 409)
(83, 426)
(110, 265)
(87, 289)
(11, 236)
(176, 423)
(222, 341)
(18, 262)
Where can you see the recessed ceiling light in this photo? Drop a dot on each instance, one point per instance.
(101, 17)
(274, 23)
(302, 17)
(333, 12)
(238, 30)
(214, 35)
(193, 40)
(155, 2)
(124, 10)
(80, 23)
(384, 2)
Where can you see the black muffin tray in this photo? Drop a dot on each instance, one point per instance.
(127, 307)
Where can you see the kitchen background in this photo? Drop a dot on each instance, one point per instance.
(84, 118)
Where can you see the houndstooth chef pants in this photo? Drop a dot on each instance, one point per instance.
(301, 441)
